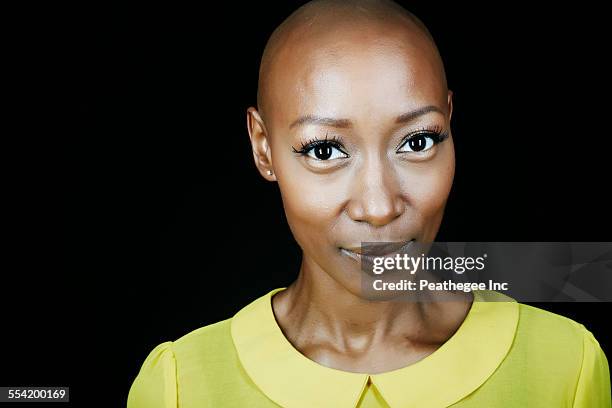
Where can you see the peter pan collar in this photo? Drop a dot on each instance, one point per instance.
(446, 376)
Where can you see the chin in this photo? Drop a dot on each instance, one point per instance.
(358, 283)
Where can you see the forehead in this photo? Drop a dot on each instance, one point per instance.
(358, 74)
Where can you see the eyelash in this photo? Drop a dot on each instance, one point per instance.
(436, 133)
(307, 146)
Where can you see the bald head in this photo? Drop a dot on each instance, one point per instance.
(330, 29)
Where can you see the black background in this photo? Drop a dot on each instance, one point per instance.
(129, 217)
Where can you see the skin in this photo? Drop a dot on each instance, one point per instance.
(364, 65)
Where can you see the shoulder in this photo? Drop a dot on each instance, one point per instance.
(546, 342)
(212, 333)
(205, 342)
(156, 384)
(550, 325)
(549, 332)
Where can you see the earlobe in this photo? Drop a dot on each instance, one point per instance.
(259, 144)
(450, 104)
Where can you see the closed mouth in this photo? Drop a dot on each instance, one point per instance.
(367, 253)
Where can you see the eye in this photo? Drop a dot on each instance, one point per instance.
(420, 142)
(326, 151)
(322, 150)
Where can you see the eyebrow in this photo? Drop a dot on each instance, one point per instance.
(346, 123)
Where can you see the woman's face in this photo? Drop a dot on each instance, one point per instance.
(360, 144)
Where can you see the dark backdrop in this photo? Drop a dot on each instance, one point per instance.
(127, 228)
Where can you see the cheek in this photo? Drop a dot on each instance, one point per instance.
(428, 189)
(307, 201)
(311, 202)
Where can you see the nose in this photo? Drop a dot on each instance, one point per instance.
(376, 196)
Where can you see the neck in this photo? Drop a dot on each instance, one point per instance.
(318, 309)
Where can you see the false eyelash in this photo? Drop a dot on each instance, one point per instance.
(307, 146)
(437, 133)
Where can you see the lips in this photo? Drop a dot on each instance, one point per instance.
(375, 250)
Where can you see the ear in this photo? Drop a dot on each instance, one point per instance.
(450, 104)
(259, 143)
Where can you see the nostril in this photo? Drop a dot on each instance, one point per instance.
(376, 198)
(376, 213)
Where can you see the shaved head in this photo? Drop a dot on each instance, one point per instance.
(353, 123)
(330, 28)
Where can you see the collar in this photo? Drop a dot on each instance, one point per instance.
(290, 379)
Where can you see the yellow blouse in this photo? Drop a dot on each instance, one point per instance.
(505, 354)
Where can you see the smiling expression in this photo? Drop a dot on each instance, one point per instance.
(357, 133)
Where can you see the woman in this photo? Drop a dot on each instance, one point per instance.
(353, 122)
